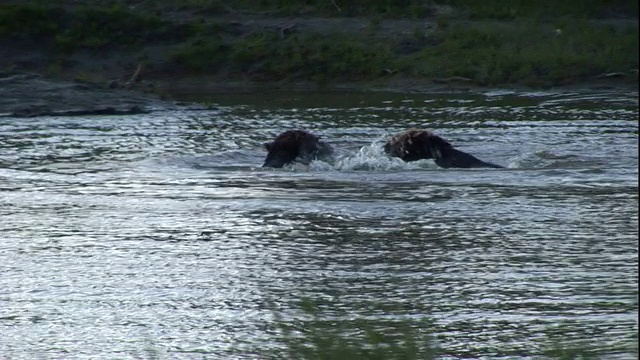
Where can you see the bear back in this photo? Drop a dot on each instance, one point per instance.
(417, 144)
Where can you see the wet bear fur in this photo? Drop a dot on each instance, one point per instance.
(416, 144)
(296, 146)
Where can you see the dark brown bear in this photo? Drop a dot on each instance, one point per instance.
(296, 146)
(416, 144)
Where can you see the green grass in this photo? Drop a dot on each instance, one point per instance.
(202, 55)
(543, 9)
(28, 19)
(465, 9)
(96, 28)
(320, 334)
(318, 57)
(357, 339)
(83, 27)
(495, 9)
(526, 52)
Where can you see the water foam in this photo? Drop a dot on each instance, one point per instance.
(373, 157)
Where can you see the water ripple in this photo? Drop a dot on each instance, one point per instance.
(159, 235)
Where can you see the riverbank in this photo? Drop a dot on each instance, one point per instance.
(202, 87)
(203, 48)
(30, 95)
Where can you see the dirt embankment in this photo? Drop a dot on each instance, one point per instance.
(152, 67)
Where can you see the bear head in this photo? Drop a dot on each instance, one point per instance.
(293, 145)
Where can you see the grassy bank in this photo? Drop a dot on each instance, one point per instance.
(537, 44)
(319, 337)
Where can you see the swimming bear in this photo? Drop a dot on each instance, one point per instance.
(296, 145)
(416, 144)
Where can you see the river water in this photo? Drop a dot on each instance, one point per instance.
(159, 235)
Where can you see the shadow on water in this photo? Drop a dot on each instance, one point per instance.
(159, 235)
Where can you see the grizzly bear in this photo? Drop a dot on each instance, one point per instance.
(296, 146)
(416, 144)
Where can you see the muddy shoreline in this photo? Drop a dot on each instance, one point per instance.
(26, 95)
(202, 87)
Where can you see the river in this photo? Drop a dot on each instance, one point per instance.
(160, 236)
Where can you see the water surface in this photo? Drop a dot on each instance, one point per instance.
(159, 235)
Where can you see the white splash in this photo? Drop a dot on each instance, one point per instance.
(373, 157)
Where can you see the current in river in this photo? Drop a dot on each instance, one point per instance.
(160, 236)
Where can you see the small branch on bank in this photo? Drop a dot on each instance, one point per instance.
(135, 76)
(286, 30)
(336, 5)
(451, 79)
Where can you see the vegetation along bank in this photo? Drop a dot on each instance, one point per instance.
(163, 46)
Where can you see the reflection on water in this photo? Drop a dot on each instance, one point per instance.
(159, 235)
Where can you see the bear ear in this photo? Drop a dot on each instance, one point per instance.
(268, 146)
